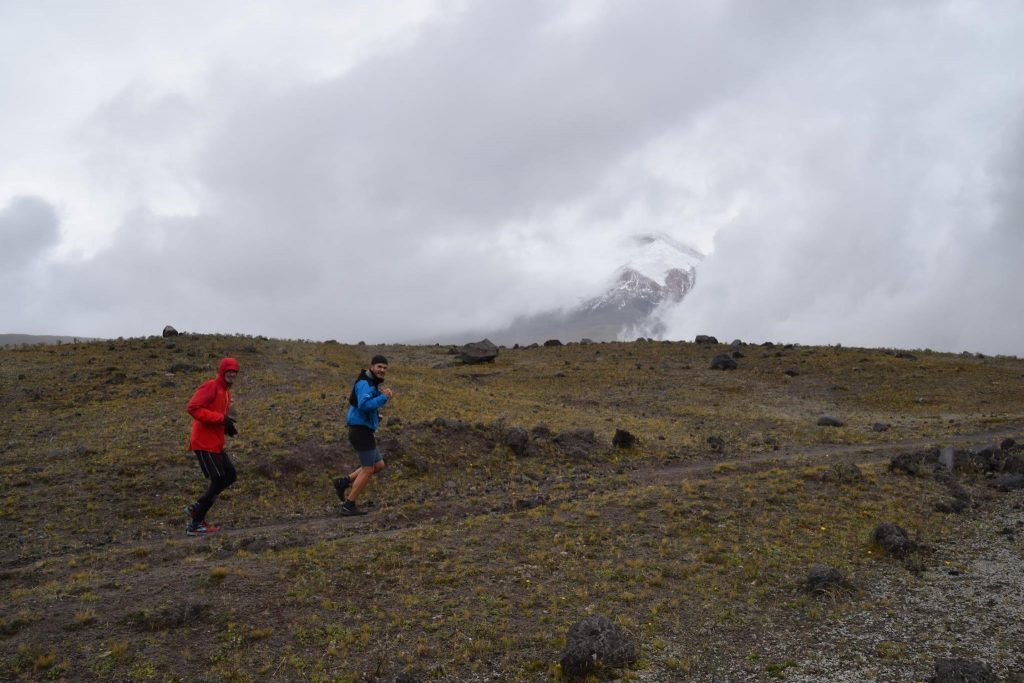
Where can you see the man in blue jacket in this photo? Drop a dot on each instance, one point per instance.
(368, 396)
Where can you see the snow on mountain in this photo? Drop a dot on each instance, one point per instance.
(656, 272)
(654, 255)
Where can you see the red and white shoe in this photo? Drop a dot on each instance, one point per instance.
(201, 529)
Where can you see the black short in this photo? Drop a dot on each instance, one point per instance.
(361, 438)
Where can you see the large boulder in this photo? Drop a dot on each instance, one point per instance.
(170, 331)
(893, 540)
(723, 362)
(483, 351)
(962, 671)
(623, 439)
(594, 643)
(825, 580)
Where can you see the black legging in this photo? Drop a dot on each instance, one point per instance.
(221, 472)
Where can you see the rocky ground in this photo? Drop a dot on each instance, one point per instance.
(515, 508)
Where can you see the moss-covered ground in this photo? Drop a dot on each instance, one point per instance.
(475, 560)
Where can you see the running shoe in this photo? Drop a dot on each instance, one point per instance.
(201, 529)
(341, 485)
(350, 509)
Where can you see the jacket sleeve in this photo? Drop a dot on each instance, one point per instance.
(198, 409)
(365, 398)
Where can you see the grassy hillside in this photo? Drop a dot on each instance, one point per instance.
(34, 339)
(475, 560)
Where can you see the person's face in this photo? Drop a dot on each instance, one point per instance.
(229, 377)
(379, 370)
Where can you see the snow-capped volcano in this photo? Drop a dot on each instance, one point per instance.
(656, 272)
(656, 255)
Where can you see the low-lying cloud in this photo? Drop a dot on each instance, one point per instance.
(847, 167)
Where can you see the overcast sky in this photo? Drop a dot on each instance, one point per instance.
(396, 170)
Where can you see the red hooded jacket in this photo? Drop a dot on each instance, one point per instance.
(208, 406)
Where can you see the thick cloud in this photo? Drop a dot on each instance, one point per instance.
(871, 207)
(29, 230)
(433, 167)
(28, 227)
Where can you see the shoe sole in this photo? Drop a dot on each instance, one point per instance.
(352, 513)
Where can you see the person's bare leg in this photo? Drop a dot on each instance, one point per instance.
(362, 478)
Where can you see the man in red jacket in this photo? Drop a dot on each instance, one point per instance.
(209, 409)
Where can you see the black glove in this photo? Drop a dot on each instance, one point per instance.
(229, 426)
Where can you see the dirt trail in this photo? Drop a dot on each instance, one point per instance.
(829, 453)
(305, 530)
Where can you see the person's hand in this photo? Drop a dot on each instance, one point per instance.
(229, 426)
(387, 392)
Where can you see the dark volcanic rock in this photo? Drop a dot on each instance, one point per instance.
(893, 539)
(182, 367)
(1010, 482)
(1013, 462)
(951, 506)
(822, 579)
(705, 339)
(829, 421)
(518, 440)
(483, 351)
(541, 431)
(723, 362)
(845, 473)
(962, 671)
(405, 678)
(552, 342)
(985, 460)
(623, 439)
(578, 443)
(593, 643)
(914, 463)
(170, 331)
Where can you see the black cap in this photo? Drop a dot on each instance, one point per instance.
(378, 360)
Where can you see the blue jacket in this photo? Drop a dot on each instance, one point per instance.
(369, 400)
